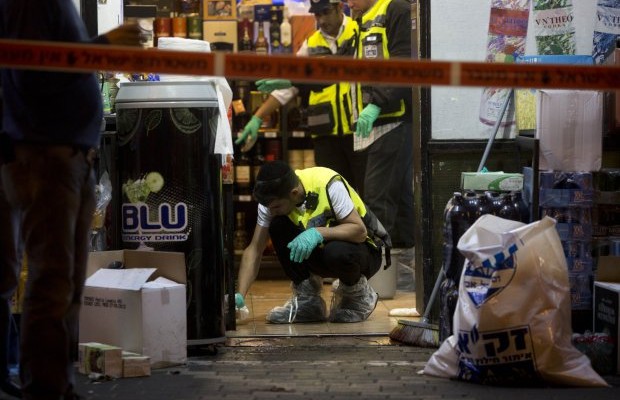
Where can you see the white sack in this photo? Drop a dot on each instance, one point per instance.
(512, 321)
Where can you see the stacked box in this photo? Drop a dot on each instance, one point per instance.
(135, 365)
(100, 358)
(568, 198)
(606, 212)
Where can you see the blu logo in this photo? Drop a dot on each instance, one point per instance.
(137, 218)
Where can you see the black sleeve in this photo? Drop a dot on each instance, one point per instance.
(398, 31)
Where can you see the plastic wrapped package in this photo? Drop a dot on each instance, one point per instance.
(103, 196)
(512, 324)
(599, 347)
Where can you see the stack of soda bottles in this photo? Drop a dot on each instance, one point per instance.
(606, 213)
(568, 198)
(461, 211)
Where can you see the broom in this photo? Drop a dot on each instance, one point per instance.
(422, 333)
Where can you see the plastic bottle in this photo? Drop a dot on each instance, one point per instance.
(456, 223)
(507, 209)
(471, 204)
(495, 201)
(484, 206)
(522, 208)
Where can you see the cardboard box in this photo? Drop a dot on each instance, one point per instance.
(219, 9)
(135, 365)
(570, 129)
(100, 358)
(221, 35)
(607, 302)
(491, 181)
(142, 310)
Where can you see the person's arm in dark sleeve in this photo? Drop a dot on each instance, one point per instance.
(398, 31)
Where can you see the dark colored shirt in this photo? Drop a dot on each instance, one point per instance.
(45, 107)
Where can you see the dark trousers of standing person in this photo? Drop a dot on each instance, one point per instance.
(9, 275)
(336, 152)
(335, 259)
(389, 174)
(405, 220)
(53, 188)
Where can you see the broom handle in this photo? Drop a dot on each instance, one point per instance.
(431, 300)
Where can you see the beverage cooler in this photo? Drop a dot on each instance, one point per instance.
(171, 188)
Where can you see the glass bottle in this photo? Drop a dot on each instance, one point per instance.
(260, 46)
(258, 160)
(274, 31)
(240, 113)
(243, 175)
(286, 35)
(245, 45)
(240, 235)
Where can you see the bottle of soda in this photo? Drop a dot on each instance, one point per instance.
(522, 208)
(507, 209)
(471, 204)
(449, 294)
(495, 201)
(484, 205)
(456, 223)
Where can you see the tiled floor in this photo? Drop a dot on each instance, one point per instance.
(266, 294)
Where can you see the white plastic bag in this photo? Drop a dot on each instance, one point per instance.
(512, 321)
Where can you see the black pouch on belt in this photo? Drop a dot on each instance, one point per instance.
(320, 119)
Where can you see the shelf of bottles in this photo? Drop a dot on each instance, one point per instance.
(263, 29)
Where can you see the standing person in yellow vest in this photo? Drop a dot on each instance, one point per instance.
(383, 119)
(328, 105)
(320, 228)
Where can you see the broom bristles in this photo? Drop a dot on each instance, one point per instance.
(420, 334)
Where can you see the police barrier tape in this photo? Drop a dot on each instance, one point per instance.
(82, 57)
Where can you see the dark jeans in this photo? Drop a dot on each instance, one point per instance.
(336, 152)
(388, 188)
(52, 188)
(336, 259)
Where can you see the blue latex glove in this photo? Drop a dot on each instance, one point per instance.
(366, 119)
(250, 129)
(269, 85)
(239, 302)
(302, 246)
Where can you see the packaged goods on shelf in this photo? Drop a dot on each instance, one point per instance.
(491, 181)
(569, 126)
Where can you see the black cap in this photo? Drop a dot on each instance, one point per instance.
(316, 6)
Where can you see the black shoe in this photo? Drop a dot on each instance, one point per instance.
(10, 388)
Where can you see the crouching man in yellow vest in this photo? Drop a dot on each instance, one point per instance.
(320, 228)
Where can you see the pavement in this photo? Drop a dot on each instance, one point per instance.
(339, 367)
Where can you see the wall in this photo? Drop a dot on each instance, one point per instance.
(455, 110)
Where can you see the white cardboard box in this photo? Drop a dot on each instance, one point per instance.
(569, 125)
(607, 301)
(141, 308)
